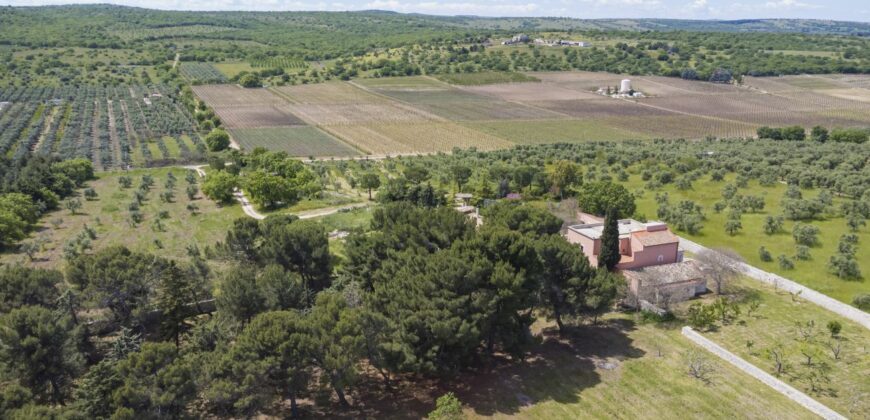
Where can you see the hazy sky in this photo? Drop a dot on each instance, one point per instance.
(855, 10)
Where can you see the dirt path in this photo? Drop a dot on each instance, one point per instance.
(96, 158)
(177, 57)
(47, 126)
(113, 136)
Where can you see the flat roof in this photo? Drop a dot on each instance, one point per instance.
(626, 228)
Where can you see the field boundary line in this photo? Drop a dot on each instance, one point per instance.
(779, 386)
(352, 146)
(709, 117)
(849, 312)
(400, 103)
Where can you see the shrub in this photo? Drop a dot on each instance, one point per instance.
(217, 140)
(764, 254)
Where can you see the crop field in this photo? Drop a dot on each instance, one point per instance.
(114, 127)
(257, 116)
(199, 73)
(555, 131)
(233, 95)
(279, 63)
(109, 217)
(602, 108)
(392, 115)
(428, 137)
(458, 105)
(486, 78)
(343, 114)
(330, 93)
(297, 141)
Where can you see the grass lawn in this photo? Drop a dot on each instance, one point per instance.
(774, 323)
(232, 69)
(486, 78)
(156, 153)
(109, 216)
(812, 273)
(172, 147)
(619, 369)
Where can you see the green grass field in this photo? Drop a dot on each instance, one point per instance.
(109, 216)
(812, 273)
(231, 69)
(774, 323)
(554, 131)
(297, 141)
(621, 369)
(486, 78)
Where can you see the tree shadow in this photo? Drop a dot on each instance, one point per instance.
(556, 369)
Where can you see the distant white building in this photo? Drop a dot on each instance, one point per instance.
(517, 39)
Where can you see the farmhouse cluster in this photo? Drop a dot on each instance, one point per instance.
(524, 39)
(650, 256)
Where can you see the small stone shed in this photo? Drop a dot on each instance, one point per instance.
(667, 283)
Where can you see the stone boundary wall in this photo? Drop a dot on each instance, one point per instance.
(769, 380)
(847, 311)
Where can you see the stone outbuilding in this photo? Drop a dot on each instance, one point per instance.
(667, 283)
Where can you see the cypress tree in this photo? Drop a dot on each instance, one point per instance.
(609, 255)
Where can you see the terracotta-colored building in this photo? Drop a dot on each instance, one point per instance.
(641, 244)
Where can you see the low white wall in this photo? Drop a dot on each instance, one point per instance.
(769, 380)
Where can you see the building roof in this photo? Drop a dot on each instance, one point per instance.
(666, 273)
(626, 228)
(660, 237)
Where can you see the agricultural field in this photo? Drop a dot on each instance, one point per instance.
(247, 108)
(297, 141)
(424, 137)
(109, 216)
(112, 126)
(486, 78)
(386, 115)
(799, 327)
(811, 272)
(279, 63)
(555, 131)
(201, 73)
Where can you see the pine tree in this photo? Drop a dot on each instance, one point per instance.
(609, 255)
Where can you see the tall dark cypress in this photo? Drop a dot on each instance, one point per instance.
(609, 255)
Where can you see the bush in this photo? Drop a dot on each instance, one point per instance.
(217, 140)
(250, 80)
(862, 301)
(849, 135)
(447, 407)
(764, 254)
(805, 234)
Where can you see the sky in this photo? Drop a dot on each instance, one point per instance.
(851, 10)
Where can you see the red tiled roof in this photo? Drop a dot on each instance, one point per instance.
(656, 238)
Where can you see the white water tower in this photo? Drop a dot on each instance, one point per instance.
(625, 87)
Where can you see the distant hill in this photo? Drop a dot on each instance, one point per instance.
(112, 15)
